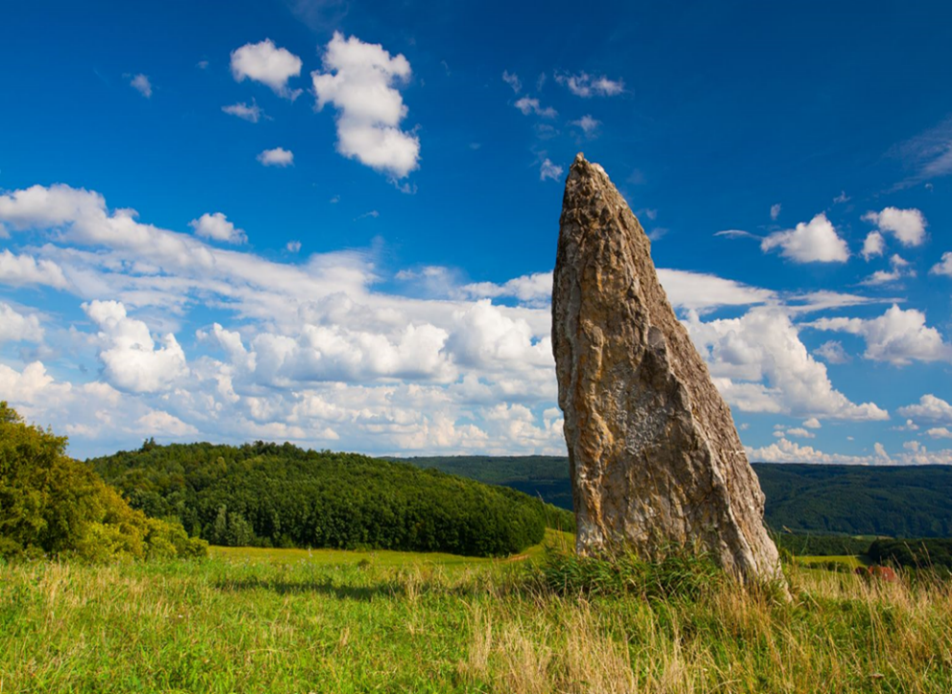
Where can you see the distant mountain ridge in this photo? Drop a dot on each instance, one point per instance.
(910, 501)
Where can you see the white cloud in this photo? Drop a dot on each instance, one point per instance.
(940, 433)
(529, 105)
(775, 211)
(760, 365)
(832, 351)
(531, 289)
(900, 270)
(812, 423)
(908, 226)
(251, 113)
(216, 226)
(943, 267)
(358, 79)
(813, 242)
(130, 360)
(800, 432)
(929, 407)
(701, 292)
(737, 234)
(512, 80)
(15, 327)
(276, 157)
(142, 85)
(162, 424)
(873, 245)
(264, 62)
(293, 246)
(585, 85)
(310, 351)
(588, 125)
(898, 337)
(22, 270)
(785, 451)
(841, 198)
(549, 170)
(929, 153)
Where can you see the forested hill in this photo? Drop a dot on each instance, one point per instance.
(894, 501)
(280, 495)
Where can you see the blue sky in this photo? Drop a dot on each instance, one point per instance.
(335, 222)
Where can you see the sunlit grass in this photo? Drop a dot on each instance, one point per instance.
(291, 621)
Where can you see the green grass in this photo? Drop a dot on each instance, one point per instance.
(850, 560)
(274, 621)
(378, 558)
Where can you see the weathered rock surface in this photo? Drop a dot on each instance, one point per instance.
(655, 457)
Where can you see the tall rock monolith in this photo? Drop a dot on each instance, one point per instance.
(654, 454)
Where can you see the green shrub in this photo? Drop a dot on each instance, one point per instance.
(53, 505)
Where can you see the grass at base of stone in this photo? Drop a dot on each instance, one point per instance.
(257, 624)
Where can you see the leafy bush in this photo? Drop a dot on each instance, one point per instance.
(53, 505)
(280, 495)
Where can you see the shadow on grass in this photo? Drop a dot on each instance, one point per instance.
(364, 593)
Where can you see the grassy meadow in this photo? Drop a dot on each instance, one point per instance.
(253, 620)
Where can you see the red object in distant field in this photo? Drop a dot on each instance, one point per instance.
(881, 573)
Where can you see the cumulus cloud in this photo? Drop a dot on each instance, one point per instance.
(549, 170)
(812, 423)
(701, 292)
(23, 270)
(761, 365)
(312, 352)
(276, 157)
(216, 226)
(128, 353)
(588, 124)
(832, 352)
(142, 85)
(812, 242)
(786, 451)
(900, 270)
(532, 289)
(873, 245)
(252, 113)
(512, 80)
(929, 407)
(944, 266)
(898, 336)
(358, 79)
(162, 424)
(775, 211)
(908, 226)
(528, 105)
(585, 85)
(939, 433)
(16, 327)
(293, 246)
(266, 63)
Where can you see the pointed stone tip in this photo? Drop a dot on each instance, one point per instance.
(579, 158)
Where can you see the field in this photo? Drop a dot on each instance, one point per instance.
(324, 621)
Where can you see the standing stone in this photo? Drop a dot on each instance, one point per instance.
(654, 455)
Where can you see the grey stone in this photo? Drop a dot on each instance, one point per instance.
(655, 457)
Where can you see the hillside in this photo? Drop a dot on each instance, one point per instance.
(893, 501)
(280, 495)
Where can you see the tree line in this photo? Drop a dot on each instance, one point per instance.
(279, 495)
